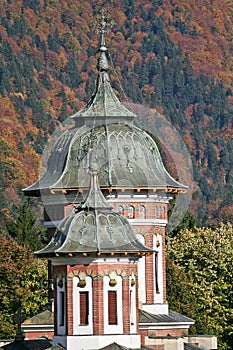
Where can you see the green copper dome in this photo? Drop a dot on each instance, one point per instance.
(127, 157)
(93, 229)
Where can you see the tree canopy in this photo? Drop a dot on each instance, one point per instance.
(23, 282)
(199, 280)
(23, 227)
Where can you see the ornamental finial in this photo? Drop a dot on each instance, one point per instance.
(104, 25)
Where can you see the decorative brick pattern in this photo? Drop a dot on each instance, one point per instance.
(98, 302)
(69, 308)
(97, 272)
(126, 306)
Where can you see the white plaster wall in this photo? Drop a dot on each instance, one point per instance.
(141, 274)
(118, 328)
(158, 297)
(98, 341)
(133, 325)
(61, 329)
(82, 329)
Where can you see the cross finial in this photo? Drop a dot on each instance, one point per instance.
(104, 25)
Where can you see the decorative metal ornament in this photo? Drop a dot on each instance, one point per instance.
(82, 283)
(112, 282)
(133, 282)
(104, 25)
(60, 284)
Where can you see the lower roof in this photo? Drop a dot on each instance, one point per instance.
(39, 344)
(115, 346)
(172, 317)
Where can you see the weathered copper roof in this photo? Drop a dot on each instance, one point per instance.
(94, 229)
(115, 346)
(39, 344)
(45, 318)
(172, 317)
(127, 156)
(104, 102)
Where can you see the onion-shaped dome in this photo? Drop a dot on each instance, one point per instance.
(94, 229)
(128, 158)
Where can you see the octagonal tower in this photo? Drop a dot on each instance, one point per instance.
(132, 178)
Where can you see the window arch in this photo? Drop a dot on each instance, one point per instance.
(142, 212)
(162, 211)
(113, 312)
(61, 306)
(83, 305)
(157, 211)
(120, 209)
(131, 212)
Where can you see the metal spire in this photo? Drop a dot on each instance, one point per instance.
(104, 26)
(95, 199)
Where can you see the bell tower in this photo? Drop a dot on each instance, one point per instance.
(107, 253)
(94, 254)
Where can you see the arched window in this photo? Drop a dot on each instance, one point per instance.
(61, 306)
(120, 209)
(158, 267)
(162, 212)
(157, 212)
(113, 313)
(133, 322)
(131, 212)
(83, 305)
(141, 273)
(142, 212)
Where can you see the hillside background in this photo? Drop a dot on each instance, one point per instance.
(173, 56)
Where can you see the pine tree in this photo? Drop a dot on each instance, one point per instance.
(24, 228)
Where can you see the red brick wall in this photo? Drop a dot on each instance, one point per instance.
(37, 335)
(97, 272)
(126, 306)
(61, 271)
(69, 306)
(98, 305)
(178, 332)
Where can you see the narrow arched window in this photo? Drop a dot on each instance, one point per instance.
(142, 212)
(112, 307)
(157, 212)
(120, 209)
(162, 211)
(131, 212)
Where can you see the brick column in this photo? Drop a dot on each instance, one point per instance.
(69, 306)
(126, 306)
(98, 305)
(149, 262)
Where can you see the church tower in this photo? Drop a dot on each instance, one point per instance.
(108, 252)
(94, 254)
(131, 174)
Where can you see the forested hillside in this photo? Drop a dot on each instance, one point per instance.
(173, 56)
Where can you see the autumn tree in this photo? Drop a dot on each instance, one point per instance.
(199, 278)
(23, 284)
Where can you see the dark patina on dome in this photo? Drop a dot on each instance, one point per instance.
(94, 229)
(128, 158)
